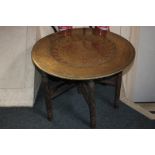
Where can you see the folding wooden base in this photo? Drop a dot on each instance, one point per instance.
(86, 88)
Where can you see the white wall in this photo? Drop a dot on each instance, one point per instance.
(144, 85)
(19, 80)
(12, 51)
(16, 68)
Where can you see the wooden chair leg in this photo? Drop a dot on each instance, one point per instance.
(88, 92)
(47, 96)
(118, 81)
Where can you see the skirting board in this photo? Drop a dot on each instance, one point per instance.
(143, 108)
(17, 97)
(148, 106)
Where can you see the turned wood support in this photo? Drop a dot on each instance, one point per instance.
(118, 81)
(60, 89)
(92, 105)
(47, 96)
(87, 89)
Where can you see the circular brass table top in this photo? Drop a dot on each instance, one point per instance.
(82, 54)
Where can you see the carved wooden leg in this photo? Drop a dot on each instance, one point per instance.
(88, 92)
(92, 105)
(47, 96)
(118, 81)
(79, 88)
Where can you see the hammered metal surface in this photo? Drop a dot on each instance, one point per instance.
(82, 54)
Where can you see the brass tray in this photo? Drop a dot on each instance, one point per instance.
(81, 54)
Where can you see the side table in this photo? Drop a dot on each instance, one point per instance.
(80, 57)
